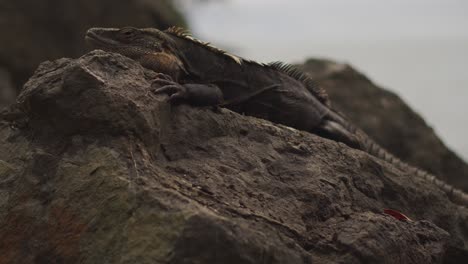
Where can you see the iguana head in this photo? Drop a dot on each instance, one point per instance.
(149, 46)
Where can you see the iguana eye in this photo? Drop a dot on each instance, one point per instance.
(127, 32)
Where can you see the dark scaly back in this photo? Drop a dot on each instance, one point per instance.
(279, 67)
(303, 77)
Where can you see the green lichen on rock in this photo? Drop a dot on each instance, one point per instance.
(164, 227)
(6, 170)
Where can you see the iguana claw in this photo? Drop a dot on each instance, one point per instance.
(162, 76)
(175, 90)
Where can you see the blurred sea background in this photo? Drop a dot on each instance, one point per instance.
(416, 48)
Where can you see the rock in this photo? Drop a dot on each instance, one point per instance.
(34, 31)
(388, 120)
(103, 171)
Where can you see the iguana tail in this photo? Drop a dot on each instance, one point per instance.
(371, 147)
(456, 195)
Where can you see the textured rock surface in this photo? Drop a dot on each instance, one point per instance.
(34, 31)
(100, 170)
(387, 119)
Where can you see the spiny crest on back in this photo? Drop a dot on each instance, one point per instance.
(158, 34)
(285, 68)
(183, 33)
(303, 77)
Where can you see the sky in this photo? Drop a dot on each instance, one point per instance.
(416, 48)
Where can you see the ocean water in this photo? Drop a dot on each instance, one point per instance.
(416, 48)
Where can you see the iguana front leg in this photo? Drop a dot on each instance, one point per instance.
(194, 94)
(203, 94)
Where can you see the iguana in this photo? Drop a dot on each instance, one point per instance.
(200, 74)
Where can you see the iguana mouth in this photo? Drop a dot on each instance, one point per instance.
(94, 38)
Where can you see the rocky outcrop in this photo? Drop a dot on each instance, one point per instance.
(97, 169)
(388, 120)
(34, 31)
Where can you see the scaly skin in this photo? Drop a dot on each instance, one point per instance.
(201, 74)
